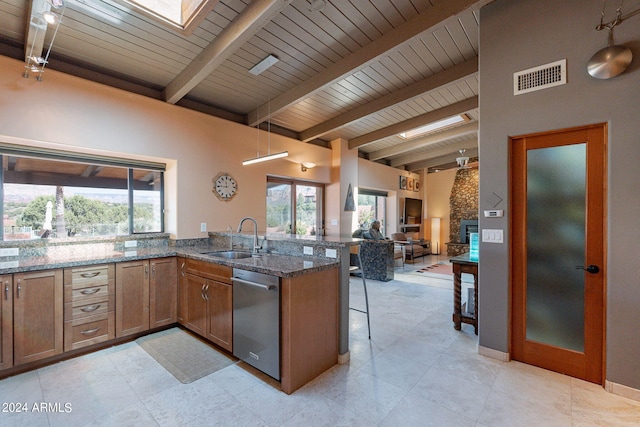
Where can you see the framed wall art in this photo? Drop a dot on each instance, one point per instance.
(403, 182)
(410, 184)
(416, 185)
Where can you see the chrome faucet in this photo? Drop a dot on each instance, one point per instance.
(254, 251)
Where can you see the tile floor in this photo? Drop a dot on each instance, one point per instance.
(416, 371)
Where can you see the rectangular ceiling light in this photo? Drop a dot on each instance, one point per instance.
(261, 66)
(431, 127)
(265, 158)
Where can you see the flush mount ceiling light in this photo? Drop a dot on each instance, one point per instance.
(262, 66)
(304, 166)
(431, 127)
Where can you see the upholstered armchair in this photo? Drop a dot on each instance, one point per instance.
(412, 248)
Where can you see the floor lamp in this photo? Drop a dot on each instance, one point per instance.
(435, 236)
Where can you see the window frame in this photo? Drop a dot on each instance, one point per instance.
(320, 201)
(39, 153)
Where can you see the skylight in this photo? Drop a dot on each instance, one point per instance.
(434, 126)
(180, 14)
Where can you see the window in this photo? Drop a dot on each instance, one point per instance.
(371, 205)
(53, 195)
(184, 15)
(294, 207)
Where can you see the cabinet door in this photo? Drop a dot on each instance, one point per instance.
(37, 315)
(163, 292)
(6, 322)
(220, 301)
(182, 290)
(132, 297)
(196, 304)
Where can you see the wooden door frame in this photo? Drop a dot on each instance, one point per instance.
(596, 217)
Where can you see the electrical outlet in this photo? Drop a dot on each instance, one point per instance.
(9, 251)
(307, 250)
(130, 243)
(203, 226)
(331, 253)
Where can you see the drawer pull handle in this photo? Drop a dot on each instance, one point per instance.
(89, 291)
(90, 308)
(90, 331)
(93, 274)
(6, 290)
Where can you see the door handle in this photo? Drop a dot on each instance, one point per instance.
(593, 269)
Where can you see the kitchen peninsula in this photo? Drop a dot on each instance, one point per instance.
(100, 292)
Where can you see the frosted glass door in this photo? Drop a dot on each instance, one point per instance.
(555, 230)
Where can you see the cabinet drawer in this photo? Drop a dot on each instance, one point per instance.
(72, 312)
(209, 270)
(86, 295)
(87, 331)
(89, 276)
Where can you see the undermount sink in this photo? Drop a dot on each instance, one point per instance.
(229, 254)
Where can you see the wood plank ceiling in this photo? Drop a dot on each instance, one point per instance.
(362, 70)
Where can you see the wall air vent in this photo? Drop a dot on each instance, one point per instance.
(542, 77)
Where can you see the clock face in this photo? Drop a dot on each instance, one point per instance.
(225, 186)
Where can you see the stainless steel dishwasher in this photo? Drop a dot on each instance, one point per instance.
(256, 320)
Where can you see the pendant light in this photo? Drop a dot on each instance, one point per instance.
(269, 156)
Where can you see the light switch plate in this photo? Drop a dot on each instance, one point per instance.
(307, 250)
(130, 243)
(331, 253)
(492, 236)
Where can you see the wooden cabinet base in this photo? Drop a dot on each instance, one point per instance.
(89, 330)
(309, 332)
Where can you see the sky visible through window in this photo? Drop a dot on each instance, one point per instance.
(168, 9)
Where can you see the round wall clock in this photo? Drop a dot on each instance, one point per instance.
(224, 186)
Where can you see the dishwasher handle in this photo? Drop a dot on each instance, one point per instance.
(257, 285)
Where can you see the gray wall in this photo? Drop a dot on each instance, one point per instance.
(520, 34)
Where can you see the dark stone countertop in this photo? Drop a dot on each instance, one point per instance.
(277, 265)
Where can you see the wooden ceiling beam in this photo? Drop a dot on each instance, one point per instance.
(415, 122)
(255, 16)
(360, 58)
(407, 159)
(439, 161)
(423, 142)
(450, 75)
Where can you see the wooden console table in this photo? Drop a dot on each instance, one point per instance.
(463, 264)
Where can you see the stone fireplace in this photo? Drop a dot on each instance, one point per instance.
(464, 210)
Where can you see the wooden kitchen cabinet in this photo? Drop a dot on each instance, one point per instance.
(208, 301)
(37, 315)
(132, 297)
(6, 322)
(195, 317)
(89, 305)
(163, 292)
(220, 313)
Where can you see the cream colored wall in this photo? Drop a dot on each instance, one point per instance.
(377, 176)
(438, 192)
(70, 113)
